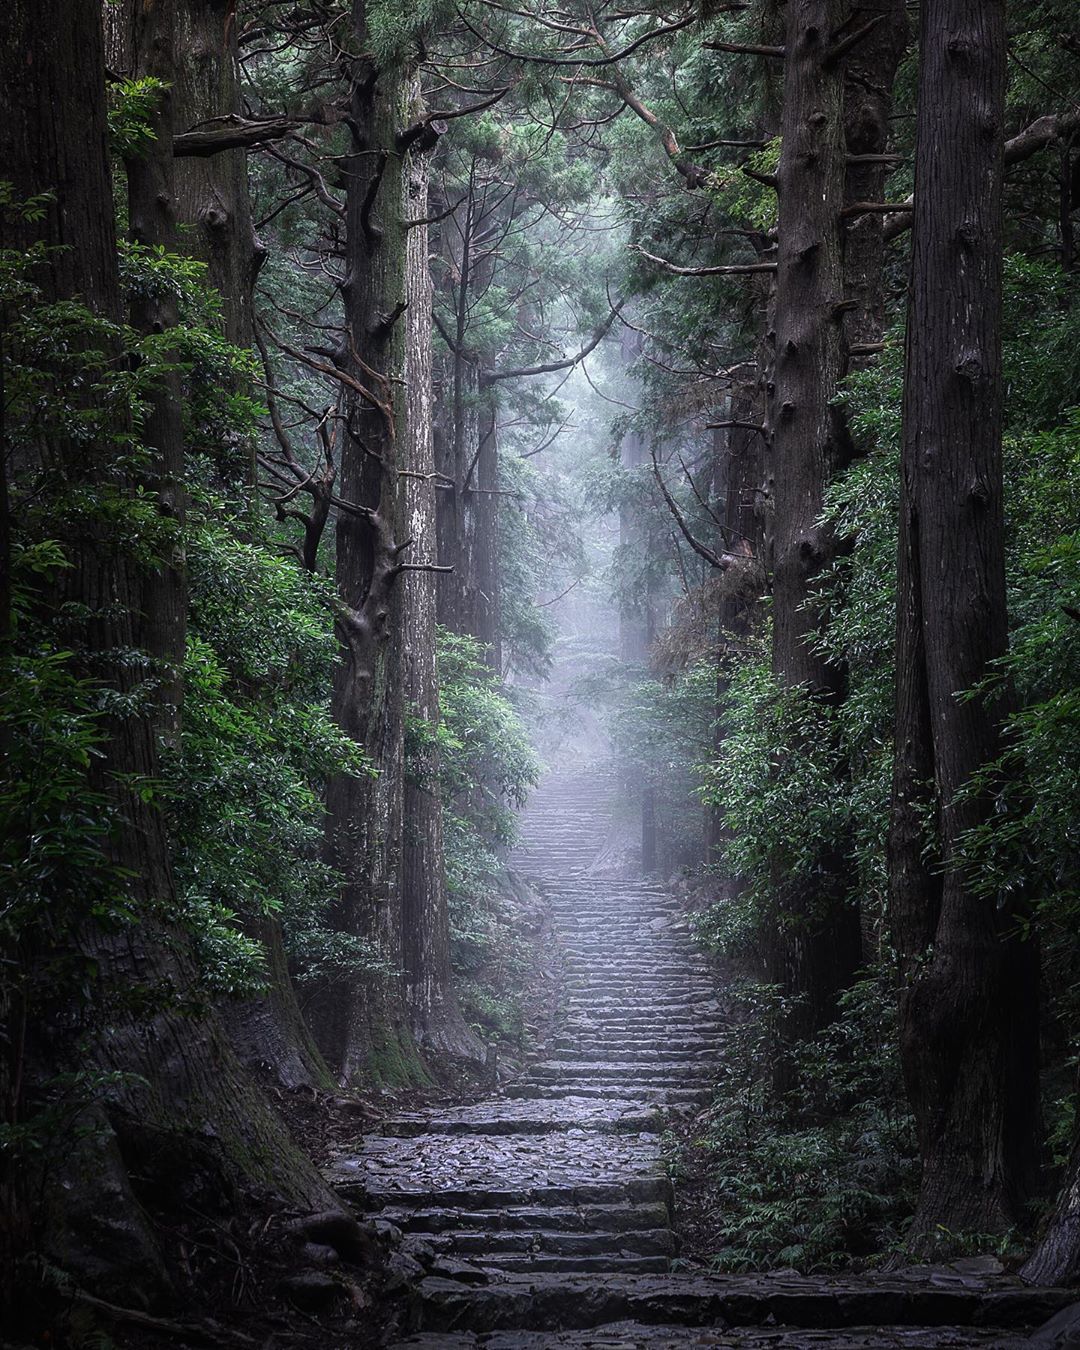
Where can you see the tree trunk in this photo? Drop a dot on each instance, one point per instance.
(434, 1015)
(213, 200)
(212, 190)
(184, 1109)
(739, 472)
(968, 1005)
(869, 76)
(146, 34)
(1056, 1260)
(816, 940)
(362, 1023)
(480, 542)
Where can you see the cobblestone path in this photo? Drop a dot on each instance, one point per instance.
(544, 1217)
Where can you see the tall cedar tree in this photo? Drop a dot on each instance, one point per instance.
(434, 1015)
(968, 1006)
(363, 1024)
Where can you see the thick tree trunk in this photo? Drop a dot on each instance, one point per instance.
(212, 190)
(434, 1015)
(182, 1097)
(815, 946)
(467, 451)
(146, 40)
(362, 1022)
(146, 33)
(827, 317)
(869, 75)
(968, 1010)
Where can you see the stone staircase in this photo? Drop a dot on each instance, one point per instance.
(544, 1216)
(565, 824)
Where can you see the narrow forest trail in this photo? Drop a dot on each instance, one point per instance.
(543, 1215)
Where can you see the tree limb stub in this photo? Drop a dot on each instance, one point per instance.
(746, 49)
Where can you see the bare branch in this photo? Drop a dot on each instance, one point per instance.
(736, 270)
(721, 561)
(746, 48)
(566, 362)
(840, 49)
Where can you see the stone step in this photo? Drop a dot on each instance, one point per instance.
(616, 1218)
(598, 1070)
(656, 1093)
(639, 1336)
(500, 1116)
(643, 1191)
(478, 1242)
(532, 1262)
(559, 1302)
(580, 999)
(629, 994)
(600, 1047)
(638, 1038)
(618, 976)
(638, 1022)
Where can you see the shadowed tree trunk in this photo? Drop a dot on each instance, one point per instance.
(467, 457)
(184, 1110)
(434, 1015)
(815, 946)
(738, 477)
(1056, 1260)
(827, 318)
(968, 1013)
(145, 38)
(638, 606)
(361, 1022)
(212, 190)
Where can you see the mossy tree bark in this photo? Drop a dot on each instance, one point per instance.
(968, 1004)
(145, 38)
(467, 446)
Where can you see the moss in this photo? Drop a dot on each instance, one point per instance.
(394, 1061)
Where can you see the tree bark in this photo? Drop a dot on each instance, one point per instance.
(182, 1096)
(362, 1024)
(1056, 1260)
(738, 485)
(212, 191)
(147, 40)
(968, 1004)
(815, 945)
(434, 1014)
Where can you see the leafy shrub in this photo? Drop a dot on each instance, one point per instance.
(820, 1180)
(486, 764)
(245, 786)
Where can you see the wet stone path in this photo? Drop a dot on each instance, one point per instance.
(543, 1216)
